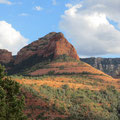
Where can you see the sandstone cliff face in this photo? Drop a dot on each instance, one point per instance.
(59, 45)
(5, 56)
(54, 44)
(110, 66)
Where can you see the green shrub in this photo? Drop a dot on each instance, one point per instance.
(11, 99)
(65, 58)
(51, 72)
(61, 67)
(66, 86)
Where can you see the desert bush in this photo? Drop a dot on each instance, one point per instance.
(65, 58)
(62, 67)
(66, 86)
(51, 72)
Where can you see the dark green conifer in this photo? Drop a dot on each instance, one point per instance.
(11, 100)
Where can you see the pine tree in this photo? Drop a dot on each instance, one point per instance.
(11, 99)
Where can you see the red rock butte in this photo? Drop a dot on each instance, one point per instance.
(52, 44)
(5, 56)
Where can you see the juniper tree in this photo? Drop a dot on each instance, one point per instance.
(11, 99)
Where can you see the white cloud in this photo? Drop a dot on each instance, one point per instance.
(11, 39)
(24, 14)
(38, 8)
(54, 2)
(5, 2)
(87, 25)
(68, 5)
(72, 10)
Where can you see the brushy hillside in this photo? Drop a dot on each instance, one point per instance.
(68, 89)
(83, 96)
(63, 64)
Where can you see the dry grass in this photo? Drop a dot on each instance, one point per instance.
(92, 82)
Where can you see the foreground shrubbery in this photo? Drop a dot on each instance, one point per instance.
(81, 104)
(11, 100)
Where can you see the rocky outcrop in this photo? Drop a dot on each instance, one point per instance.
(53, 44)
(59, 45)
(110, 66)
(5, 56)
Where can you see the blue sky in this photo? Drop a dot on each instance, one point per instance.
(92, 26)
(33, 23)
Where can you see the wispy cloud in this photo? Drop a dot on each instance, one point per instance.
(54, 2)
(68, 5)
(38, 8)
(24, 14)
(5, 2)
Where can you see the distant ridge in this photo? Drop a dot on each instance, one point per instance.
(111, 66)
